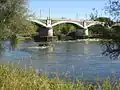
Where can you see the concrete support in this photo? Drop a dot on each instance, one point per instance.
(50, 31)
(46, 31)
(86, 32)
(49, 27)
(86, 29)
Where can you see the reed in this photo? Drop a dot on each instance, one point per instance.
(14, 78)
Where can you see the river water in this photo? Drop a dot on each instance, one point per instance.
(81, 60)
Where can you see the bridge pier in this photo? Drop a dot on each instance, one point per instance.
(45, 34)
(50, 31)
(49, 27)
(86, 32)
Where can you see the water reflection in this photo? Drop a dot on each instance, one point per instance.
(75, 59)
(1, 48)
(14, 42)
(47, 45)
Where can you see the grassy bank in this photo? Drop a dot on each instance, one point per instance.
(14, 78)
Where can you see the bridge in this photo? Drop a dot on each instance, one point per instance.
(48, 24)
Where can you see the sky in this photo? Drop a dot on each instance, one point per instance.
(71, 9)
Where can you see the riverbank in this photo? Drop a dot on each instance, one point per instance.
(77, 40)
(14, 78)
(83, 40)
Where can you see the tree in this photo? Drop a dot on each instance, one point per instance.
(100, 31)
(106, 20)
(13, 19)
(113, 8)
(94, 14)
(112, 47)
(97, 31)
(64, 28)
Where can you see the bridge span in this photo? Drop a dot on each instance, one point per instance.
(48, 25)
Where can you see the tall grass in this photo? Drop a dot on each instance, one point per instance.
(15, 78)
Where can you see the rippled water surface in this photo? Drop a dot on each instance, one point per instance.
(81, 60)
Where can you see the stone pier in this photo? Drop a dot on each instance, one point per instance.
(46, 34)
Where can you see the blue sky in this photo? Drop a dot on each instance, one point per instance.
(66, 8)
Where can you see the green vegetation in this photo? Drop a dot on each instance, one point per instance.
(111, 30)
(13, 19)
(15, 78)
(64, 29)
(13, 24)
(94, 14)
(97, 31)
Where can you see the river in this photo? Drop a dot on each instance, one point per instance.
(76, 60)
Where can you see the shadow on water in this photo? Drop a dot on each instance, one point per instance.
(14, 42)
(8, 45)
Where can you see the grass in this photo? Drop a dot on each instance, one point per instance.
(15, 78)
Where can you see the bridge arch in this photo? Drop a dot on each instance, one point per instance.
(94, 23)
(115, 25)
(38, 22)
(71, 22)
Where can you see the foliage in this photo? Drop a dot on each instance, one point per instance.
(64, 29)
(97, 29)
(107, 21)
(112, 47)
(94, 14)
(13, 19)
(111, 30)
(113, 8)
(14, 78)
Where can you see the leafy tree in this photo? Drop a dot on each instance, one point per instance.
(112, 29)
(72, 28)
(97, 31)
(13, 19)
(113, 8)
(112, 47)
(106, 20)
(94, 14)
(103, 19)
(64, 29)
